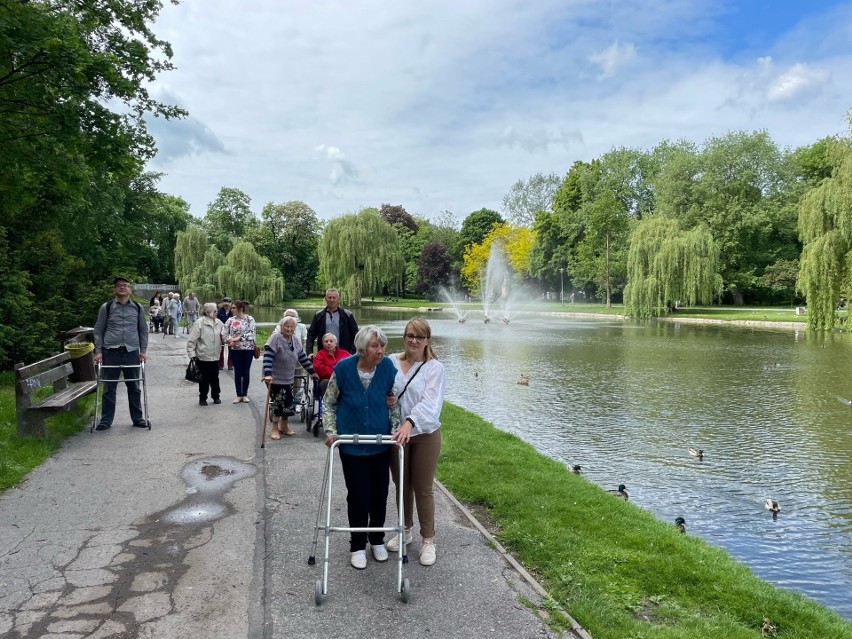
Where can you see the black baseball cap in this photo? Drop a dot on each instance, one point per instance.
(120, 279)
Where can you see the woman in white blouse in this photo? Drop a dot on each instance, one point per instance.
(419, 389)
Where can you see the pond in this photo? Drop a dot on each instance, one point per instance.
(626, 400)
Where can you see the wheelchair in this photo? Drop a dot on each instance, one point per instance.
(304, 399)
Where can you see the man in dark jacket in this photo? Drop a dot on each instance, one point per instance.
(121, 339)
(335, 320)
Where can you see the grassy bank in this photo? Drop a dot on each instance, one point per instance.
(20, 455)
(617, 569)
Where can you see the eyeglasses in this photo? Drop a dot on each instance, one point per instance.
(416, 338)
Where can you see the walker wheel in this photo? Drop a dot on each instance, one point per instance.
(405, 595)
(149, 424)
(318, 593)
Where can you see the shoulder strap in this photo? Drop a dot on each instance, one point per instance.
(410, 379)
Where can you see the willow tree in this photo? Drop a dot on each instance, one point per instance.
(665, 263)
(358, 253)
(190, 247)
(825, 228)
(247, 275)
(203, 280)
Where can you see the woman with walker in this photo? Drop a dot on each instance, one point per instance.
(356, 403)
(420, 393)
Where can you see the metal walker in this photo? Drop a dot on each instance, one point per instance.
(321, 587)
(123, 378)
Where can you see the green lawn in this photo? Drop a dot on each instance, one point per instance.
(19, 455)
(614, 567)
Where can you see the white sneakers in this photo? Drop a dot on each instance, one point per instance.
(393, 544)
(427, 554)
(380, 553)
(359, 557)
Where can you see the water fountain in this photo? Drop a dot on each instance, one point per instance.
(500, 298)
(459, 314)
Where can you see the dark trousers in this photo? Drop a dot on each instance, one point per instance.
(209, 379)
(367, 478)
(242, 367)
(134, 390)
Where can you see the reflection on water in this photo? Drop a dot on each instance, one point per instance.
(626, 401)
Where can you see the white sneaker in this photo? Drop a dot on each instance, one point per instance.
(380, 553)
(359, 559)
(393, 544)
(427, 554)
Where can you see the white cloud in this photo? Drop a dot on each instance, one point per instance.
(441, 105)
(614, 57)
(341, 169)
(796, 81)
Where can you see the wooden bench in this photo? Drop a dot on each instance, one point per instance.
(53, 371)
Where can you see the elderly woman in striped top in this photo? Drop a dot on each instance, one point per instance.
(281, 354)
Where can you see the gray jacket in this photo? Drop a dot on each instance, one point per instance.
(205, 339)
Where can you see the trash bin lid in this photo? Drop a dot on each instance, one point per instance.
(76, 332)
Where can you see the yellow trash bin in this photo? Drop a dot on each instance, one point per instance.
(82, 361)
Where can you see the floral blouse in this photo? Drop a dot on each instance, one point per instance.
(244, 327)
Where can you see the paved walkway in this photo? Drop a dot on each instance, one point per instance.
(193, 530)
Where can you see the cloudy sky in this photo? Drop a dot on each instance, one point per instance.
(439, 105)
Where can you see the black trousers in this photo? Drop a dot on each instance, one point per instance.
(367, 478)
(209, 379)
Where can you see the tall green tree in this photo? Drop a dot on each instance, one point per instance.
(474, 228)
(229, 218)
(246, 275)
(288, 235)
(734, 185)
(825, 228)
(410, 244)
(528, 197)
(665, 264)
(434, 269)
(190, 249)
(558, 232)
(74, 80)
(359, 253)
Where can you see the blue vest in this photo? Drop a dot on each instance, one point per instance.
(363, 411)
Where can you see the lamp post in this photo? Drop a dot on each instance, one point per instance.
(562, 285)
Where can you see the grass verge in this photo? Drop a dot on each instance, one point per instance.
(19, 455)
(614, 567)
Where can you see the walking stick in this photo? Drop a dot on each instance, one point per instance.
(265, 414)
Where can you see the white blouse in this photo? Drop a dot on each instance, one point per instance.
(424, 397)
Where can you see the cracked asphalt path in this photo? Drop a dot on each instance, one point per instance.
(192, 530)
